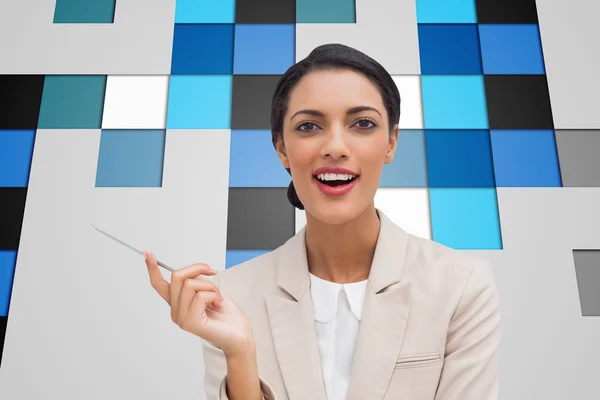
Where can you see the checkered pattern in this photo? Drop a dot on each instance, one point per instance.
(476, 118)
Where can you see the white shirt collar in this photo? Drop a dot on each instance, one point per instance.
(325, 296)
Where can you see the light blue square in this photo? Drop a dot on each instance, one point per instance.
(199, 102)
(236, 257)
(131, 158)
(409, 167)
(254, 161)
(263, 48)
(465, 219)
(511, 49)
(446, 11)
(454, 102)
(8, 261)
(16, 151)
(205, 12)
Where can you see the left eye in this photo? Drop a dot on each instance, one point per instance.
(365, 124)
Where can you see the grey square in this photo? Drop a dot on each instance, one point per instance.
(259, 218)
(251, 103)
(587, 269)
(138, 42)
(579, 157)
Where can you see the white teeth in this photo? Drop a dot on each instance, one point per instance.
(335, 177)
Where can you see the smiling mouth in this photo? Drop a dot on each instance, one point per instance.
(336, 183)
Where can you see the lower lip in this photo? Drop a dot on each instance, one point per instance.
(335, 190)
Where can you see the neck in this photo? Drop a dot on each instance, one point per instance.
(342, 253)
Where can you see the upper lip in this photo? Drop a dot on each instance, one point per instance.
(336, 170)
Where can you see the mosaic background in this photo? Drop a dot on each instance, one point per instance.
(150, 119)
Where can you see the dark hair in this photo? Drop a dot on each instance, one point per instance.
(331, 56)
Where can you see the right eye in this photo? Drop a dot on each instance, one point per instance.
(307, 127)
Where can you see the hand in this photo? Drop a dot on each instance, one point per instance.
(198, 307)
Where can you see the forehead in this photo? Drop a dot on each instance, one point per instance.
(335, 89)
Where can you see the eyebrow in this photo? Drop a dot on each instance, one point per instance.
(350, 111)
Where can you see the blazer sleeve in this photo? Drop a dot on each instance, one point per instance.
(471, 369)
(215, 375)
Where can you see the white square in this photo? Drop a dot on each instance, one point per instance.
(300, 219)
(411, 101)
(406, 207)
(135, 102)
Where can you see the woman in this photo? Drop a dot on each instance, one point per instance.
(352, 306)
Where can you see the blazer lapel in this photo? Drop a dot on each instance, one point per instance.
(384, 318)
(292, 325)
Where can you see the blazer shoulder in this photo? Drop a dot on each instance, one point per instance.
(432, 260)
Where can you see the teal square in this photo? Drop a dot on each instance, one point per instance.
(72, 102)
(446, 11)
(205, 12)
(8, 261)
(199, 102)
(131, 158)
(84, 12)
(454, 102)
(465, 219)
(331, 11)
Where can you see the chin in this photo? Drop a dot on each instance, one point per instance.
(335, 212)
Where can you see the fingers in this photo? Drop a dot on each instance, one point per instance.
(191, 289)
(156, 279)
(177, 279)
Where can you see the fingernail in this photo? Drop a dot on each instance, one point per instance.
(145, 255)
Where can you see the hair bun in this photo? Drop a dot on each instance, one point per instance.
(293, 197)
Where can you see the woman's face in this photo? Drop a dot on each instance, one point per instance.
(337, 139)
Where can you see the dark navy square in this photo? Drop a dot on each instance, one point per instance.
(459, 158)
(202, 49)
(518, 102)
(449, 49)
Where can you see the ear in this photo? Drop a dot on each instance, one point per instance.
(281, 152)
(391, 148)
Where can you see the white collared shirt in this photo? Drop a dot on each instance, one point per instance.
(338, 310)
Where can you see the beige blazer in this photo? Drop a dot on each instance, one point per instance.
(430, 325)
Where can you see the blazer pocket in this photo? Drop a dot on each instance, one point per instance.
(418, 360)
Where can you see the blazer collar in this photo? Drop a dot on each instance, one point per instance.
(294, 278)
(386, 304)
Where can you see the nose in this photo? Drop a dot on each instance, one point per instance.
(335, 142)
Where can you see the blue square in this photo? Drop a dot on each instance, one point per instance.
(449, 49)
(525, 158)
(254, 161)
(236, 257)
(454, 102)
(446, 11)
(465, 219)
(409, 167)
(131, 158)
(264, 48)
(8, 261)
(202, 49)
(205, 12)
(16, 151)
(459, 158)
(199, 102)
(511, 49)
